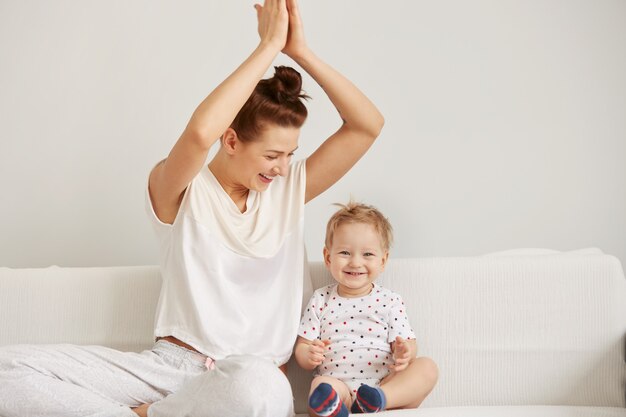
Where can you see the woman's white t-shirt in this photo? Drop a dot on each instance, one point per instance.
(232, 281)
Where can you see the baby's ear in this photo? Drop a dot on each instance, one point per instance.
(384, 259)
(326, 257)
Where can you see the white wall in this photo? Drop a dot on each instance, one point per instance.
(505, 120)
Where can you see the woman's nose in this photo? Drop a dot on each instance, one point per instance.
(281, 168)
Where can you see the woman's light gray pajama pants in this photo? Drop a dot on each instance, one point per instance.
(86, 381)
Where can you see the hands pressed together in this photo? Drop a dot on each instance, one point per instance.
(279, 24)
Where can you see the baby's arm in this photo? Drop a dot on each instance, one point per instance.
(310, 353)
(404, 351)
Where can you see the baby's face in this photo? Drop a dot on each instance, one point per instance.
(355, 258)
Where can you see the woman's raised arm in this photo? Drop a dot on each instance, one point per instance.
(362, 122)
(169, 179)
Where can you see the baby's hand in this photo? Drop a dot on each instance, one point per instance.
(401, 354)
(317, 348)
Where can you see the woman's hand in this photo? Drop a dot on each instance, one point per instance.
(401, 354)
(317, 348)
(296, 44)
(273, 22)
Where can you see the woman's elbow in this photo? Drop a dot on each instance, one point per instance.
(378, 124)
(374, 127)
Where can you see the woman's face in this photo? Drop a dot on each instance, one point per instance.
(269, 155)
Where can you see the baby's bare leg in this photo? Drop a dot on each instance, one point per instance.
(408, 388)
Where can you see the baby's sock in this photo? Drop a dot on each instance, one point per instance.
(325, 402)
(369, 400)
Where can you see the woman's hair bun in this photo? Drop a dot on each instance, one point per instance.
(285, 85)
(277, 100)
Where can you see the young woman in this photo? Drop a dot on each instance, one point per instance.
(231, 247)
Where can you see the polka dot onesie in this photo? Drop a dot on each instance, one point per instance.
(360, 331)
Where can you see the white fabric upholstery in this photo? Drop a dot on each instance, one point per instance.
(510, 411)
(109, 306)
(508, 331)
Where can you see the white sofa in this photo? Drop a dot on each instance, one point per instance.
(523, 333)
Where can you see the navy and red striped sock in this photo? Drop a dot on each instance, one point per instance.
(325, 402)
(369, 400)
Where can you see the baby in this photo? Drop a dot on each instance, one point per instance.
(355, 333)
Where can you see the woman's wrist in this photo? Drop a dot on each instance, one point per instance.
(302, 56)
(270, 46)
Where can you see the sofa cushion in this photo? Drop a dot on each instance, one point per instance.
(513, 411)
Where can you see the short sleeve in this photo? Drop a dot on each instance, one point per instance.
(310, 322)
(154, 219)
(398, 320)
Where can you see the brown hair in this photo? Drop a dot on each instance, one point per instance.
(360, 213)
(276, 100)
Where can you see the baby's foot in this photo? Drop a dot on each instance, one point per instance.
(369, 400)
(325, 402)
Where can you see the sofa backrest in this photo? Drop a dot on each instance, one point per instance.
(108, 306)
(505, 330)
(515, 329)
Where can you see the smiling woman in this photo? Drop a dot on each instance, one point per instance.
(233, 231)
(256, 162)
(231, 239)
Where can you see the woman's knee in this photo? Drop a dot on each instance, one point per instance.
(263, 389)
(239, 386)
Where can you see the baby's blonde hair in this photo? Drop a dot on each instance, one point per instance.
(354, 212)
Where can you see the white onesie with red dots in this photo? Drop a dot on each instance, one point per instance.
(360, 331)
